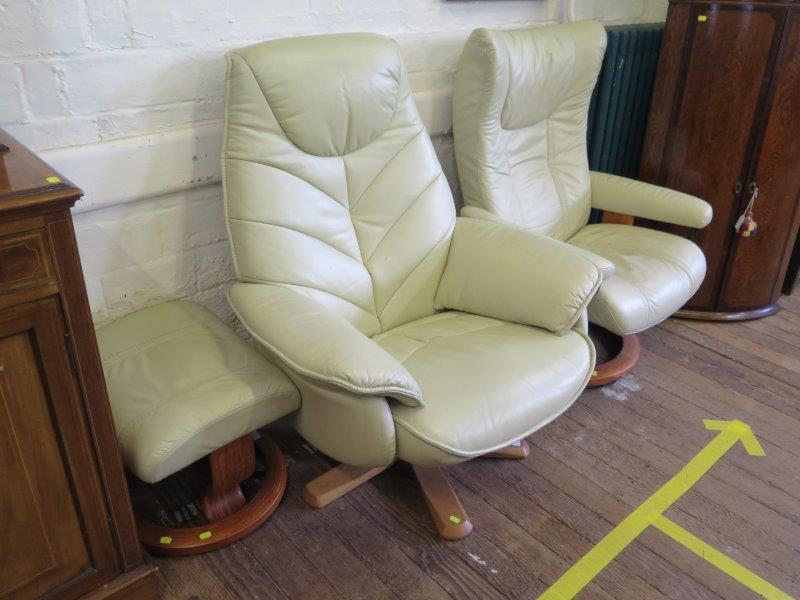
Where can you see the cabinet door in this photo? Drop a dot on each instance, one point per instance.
(721, 79)
(55, 533)
(758, 264)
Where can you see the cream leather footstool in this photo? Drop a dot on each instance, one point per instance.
(184, 386)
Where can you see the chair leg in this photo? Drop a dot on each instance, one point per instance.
(518, 450)
(450, 518)
(230, 465)
(335, 483)
(620, 365)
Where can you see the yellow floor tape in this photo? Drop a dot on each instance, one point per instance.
(718, 559)
(650, 513)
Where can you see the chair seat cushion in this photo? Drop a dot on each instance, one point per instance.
(655, 273)
(486, 383)
(183, 384)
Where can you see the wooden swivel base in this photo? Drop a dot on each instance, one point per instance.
(741, 315)
(449, 517)
(230, 515)
(624, 354)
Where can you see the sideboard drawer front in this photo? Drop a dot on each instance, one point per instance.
(25, 260)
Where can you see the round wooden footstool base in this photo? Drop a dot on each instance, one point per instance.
(183, 541)
(619, 363)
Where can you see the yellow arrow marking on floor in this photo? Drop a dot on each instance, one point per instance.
(650, 513)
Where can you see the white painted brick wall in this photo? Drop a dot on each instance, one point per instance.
(88, 73)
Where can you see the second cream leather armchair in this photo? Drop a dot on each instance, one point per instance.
(410, 333)
(520, 110)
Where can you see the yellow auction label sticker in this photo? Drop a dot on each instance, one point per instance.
(650, 513)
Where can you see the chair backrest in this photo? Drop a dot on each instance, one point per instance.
(520, 111)
(331, 183)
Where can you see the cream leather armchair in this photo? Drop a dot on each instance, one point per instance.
(520, 109)
(410, 333)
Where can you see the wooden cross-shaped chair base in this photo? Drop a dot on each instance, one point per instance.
(449, 517)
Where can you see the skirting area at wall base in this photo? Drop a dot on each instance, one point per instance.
(140, 167)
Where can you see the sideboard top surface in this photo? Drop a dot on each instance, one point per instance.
(27, 182)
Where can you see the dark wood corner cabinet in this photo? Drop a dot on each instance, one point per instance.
(725, 119)
(67, 526)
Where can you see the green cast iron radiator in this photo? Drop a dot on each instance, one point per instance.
(621, 99)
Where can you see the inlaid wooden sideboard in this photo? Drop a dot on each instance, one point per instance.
(725, 121)
(68, 530)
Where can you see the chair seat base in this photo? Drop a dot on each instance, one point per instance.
(618, 365)
(183, 541)
(449, 517)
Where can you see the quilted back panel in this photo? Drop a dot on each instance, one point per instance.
(520, 111)
(331, 183)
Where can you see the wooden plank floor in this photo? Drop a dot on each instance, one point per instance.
(588, 470)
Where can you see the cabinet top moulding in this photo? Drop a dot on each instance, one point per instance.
(28, 185)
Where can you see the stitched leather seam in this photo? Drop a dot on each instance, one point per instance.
(175, 447)
(490, 52)
(402, 360)
(308, 235)
(518, 219)
(383, 168)
(269, 106)
(397, 105)
(355, 237)
(136, 423)
(559, 195)
(438, 337)
(308, 287)
(225, 207)
(607, 307)
(585, 302)
(384, 390)
(434, 318)
(650, 307)
(269, 166)
(456, 314)
(681, 267)
(609, 312)
(414, 270)
(403, 214)
(168, 334)
(474, 453)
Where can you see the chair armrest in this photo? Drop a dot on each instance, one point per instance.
(639, 199)
(473, 212)
(517, 276)
(319, 344)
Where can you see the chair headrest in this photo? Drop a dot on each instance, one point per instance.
(331, 94)
(545, 66)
